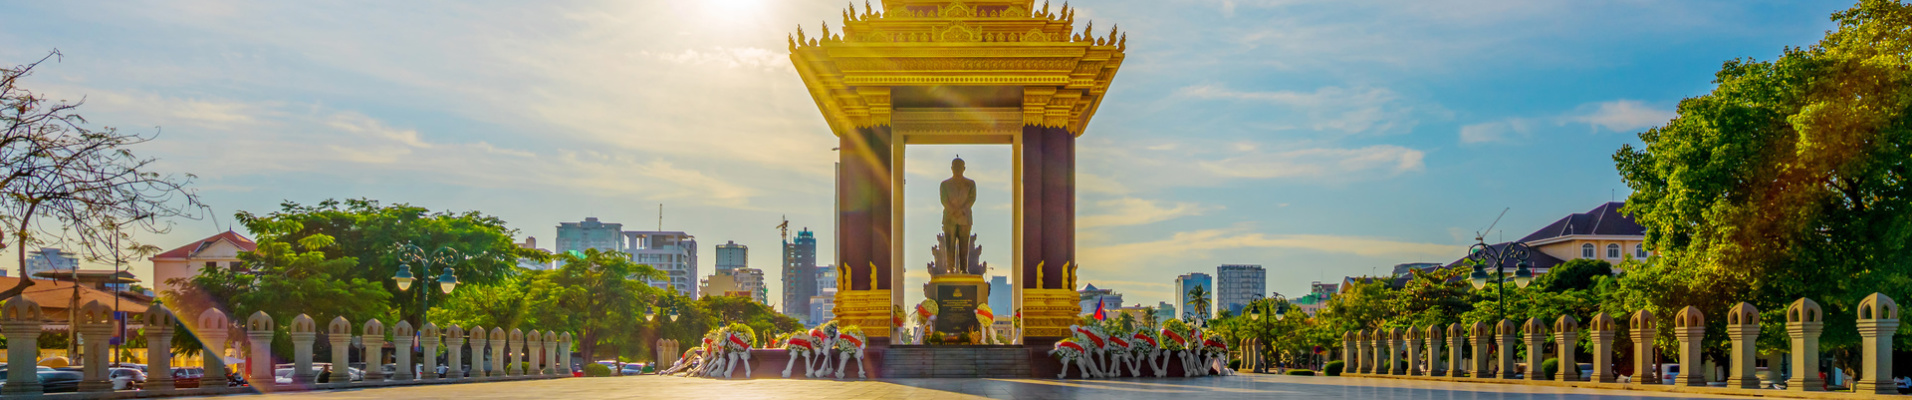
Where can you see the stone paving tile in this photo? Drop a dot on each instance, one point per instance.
(1236, 387)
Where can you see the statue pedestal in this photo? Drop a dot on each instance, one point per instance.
(956, 297)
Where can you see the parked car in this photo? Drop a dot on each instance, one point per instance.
(282, 376)
(57, 381)
(633, 369)
(126, 378)
(188, 377)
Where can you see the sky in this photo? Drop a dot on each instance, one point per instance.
(1318, 139)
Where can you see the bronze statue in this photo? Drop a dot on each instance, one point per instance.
(959, 195)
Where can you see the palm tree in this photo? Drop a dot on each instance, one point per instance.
(1198, 299)
(1148, 317)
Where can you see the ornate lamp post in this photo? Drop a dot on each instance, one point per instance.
(443, 257)
(1483, 255)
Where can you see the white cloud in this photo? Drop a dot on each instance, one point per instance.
(1359, 110)
(1495, 131)
(1383, 160)
(1199, 244)
(1133, 211)
(727, 57)
(1623, 116)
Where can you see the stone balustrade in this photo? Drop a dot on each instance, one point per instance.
(538, 355)
(1490, 355)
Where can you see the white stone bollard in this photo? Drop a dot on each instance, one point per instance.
(1804, 321)
(20, 320)
(339, 333)
(428, 351)
(402, 339)
(212, 332)
(454, 347)
(1742, 326)
(303, 332)
(1640, 327)
(1878, 320)
(160, 326)
(1689, 327)
(373, 336)
(96, 331)
(1567, 342)
(259, 328)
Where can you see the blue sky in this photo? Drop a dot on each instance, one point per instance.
(1316, 138)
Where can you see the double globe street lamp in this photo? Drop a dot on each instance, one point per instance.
(1483, 256)
(444, 257)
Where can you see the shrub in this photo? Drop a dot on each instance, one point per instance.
(1334, 368)
(595, 369)
(1549, 368)
(1301, 372)
(1234, 364)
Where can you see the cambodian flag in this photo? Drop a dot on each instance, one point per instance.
(1099, 313)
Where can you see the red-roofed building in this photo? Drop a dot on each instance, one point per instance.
(221, 250)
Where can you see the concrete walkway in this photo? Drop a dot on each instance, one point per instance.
(1235, 387)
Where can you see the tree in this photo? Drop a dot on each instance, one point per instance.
(1575, 274)
(283, 282)
(1788, 180)
(599, 294)
(1198, 299)
(369, 232)
(64, 183)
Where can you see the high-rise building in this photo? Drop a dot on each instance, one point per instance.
(590, 234)
(1186, 282)
(50, 259)
(799, 274)
(673, 252)
(526, 263)
(736, 282)
(1164, 312)
(822, 307)
(732, 256)
(1238, 285)
(1318, 295)
(1002, 298)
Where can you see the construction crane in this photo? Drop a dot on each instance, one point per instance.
(785, 228)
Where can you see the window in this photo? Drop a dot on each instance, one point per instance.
(212, 264)
(1639, 250)
(1613, 251)
(1586, 250)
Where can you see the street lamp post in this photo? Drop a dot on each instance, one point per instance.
(1483, 255)
(444, 257)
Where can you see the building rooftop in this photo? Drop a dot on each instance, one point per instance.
(188, 250)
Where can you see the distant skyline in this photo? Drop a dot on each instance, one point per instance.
(1317, 139)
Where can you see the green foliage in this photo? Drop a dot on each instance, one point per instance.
(283, 282)
(1334, 367)
(1549, 368)
(1788, 180)
(1575, 274)
(367, 232)
(1304, 372)
(595, 369)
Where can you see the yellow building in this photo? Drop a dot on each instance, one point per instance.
(1600, 234)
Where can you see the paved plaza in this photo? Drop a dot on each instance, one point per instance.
(1236, 387)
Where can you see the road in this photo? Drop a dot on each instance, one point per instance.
(1235, 387)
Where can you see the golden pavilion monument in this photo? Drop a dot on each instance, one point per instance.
(1007, 72)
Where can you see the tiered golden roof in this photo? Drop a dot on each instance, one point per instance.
(957, 56)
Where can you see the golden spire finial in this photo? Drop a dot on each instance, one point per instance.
(1112, 33)
(867, 11)
(1045, 8)
(872, 275)
(1123, 45)
(800, 38)
(793, 42)
(826, 30)
(1039, 283)
(1088, 31)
